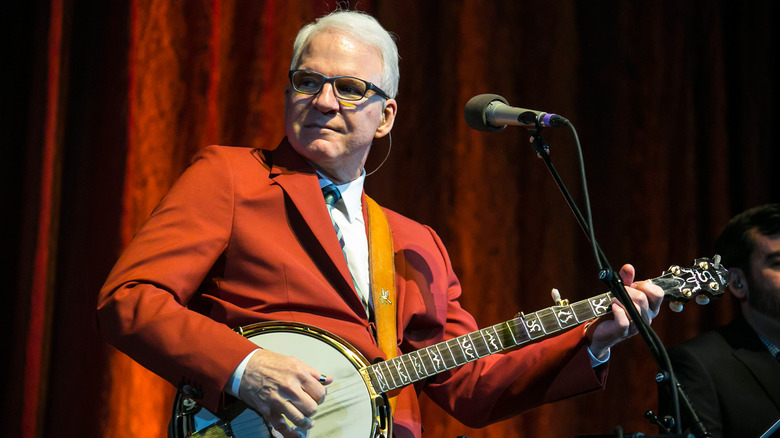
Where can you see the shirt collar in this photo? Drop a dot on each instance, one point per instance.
(351, 193)
(774, 349)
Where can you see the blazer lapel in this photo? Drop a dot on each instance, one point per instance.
(309, 217)
(764, 368)
(753, 354)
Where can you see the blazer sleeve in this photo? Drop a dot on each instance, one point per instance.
(142, 307)
(499, 386)
(698, 384)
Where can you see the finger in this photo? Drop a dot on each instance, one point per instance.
(281, 427)
(627, 273)
(649, 298)
(640, 303)
(621, 319)
(303, 390)
(303, 404)
(294, 417)
(654, 294)
(316, 388)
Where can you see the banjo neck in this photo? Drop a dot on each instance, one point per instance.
(408, 368)
(706, 278)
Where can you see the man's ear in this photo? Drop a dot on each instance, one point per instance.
(287, 92)
(738, 285)
(388, 118)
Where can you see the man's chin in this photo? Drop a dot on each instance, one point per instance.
(318, 150)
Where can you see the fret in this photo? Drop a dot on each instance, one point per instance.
(608, 296)
(533, 326)
(501, 342)
(479, 343)
(467, 346)
(583, 311)
(509, 329)
(423, 362)
(418, 364)
(408, 366)
(462, 352)
(390, 372)
(436, 360)
(452, 355)
(566, 316)
(549, 321)
(440, 358)
(381, 380)
(407, 362)
(554, 316)
(600, 304)
(490, 340)
(401, 371)
(524, 336)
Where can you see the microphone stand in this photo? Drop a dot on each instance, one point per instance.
(616, 286)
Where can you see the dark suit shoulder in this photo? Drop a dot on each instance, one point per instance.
(737, 334)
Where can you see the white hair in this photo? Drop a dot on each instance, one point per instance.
(363, 27)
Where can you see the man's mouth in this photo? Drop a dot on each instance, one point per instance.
(322, 127)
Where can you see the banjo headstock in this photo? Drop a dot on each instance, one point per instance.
(704, 280)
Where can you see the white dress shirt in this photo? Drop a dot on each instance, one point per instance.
(348, 216)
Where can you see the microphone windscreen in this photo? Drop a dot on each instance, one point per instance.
(475, 112)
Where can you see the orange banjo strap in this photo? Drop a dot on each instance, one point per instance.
(382, 271)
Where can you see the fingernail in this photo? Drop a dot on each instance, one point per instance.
(323, 378)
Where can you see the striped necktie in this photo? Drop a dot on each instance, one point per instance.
(332, 195)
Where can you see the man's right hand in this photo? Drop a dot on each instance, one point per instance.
(274, 385)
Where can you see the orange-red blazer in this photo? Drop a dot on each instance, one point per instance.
(244, 236)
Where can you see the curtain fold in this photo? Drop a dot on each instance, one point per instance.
(674, 103)
(37, 357)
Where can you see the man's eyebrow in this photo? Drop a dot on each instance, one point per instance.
(772, 255)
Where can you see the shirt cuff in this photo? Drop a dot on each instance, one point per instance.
(594, 361)
(234, 382)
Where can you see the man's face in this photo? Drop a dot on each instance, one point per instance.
(336, 135)
(764, 275)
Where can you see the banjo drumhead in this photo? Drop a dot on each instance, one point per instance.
(347, 410)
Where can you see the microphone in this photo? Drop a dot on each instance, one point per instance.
(492, 113)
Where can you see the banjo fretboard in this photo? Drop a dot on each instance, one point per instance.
(411, 367)
(704, 279)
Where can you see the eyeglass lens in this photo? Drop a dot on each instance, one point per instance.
(346, 88)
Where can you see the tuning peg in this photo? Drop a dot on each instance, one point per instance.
(676, 306)
(556, 296)
(716, 261)
(702, 299)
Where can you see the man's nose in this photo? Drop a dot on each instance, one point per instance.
(326, 99)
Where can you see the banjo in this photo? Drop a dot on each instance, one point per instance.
(357, 403)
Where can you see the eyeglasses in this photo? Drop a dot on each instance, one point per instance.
(346, 87)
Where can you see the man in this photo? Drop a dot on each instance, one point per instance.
(246, 236)
(732, 374)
